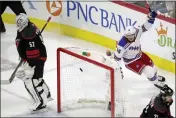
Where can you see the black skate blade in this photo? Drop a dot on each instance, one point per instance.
(42, 109)
(31, 112)
(50, 99)
(159, 87)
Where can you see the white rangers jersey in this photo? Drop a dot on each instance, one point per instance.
(131, 51)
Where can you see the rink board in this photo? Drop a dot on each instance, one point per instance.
(76, 27)
(6, 77)
(91, 37)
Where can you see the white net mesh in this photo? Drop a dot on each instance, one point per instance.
(85, 84)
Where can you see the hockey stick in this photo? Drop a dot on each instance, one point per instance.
(21, 61)
(148, 6)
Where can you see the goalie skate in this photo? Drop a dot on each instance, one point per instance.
(38, 110)
(31, 111)
(49, 98)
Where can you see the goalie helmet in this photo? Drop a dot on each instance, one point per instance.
(166, 94)
(21, 21)
(130, 33)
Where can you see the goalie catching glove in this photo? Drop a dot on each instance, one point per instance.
(25, 72)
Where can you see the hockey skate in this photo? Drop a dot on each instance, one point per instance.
(37, 108)
(161, 79)
(49, 98)
(160, 82)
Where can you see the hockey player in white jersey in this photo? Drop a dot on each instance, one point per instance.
(129, 49)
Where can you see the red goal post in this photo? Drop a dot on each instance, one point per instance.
(70, 60)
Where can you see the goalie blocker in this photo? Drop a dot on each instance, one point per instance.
(32, 51)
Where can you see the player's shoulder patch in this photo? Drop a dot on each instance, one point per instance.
(123, 42)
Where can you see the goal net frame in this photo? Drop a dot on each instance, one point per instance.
(84, 58)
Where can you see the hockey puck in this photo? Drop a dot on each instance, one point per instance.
(81, 69)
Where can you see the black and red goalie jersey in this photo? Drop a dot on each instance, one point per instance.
(30, 43)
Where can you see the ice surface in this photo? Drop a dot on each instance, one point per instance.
(15, 99)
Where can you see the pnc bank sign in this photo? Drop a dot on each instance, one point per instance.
(87, 13)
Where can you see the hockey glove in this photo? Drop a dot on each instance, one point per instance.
(25, 72)
(114, 63)
(151, 17)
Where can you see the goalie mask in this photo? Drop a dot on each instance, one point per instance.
(21, 21)
(166, 95)
(130, 33)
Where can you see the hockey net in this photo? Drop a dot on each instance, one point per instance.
(84, 81)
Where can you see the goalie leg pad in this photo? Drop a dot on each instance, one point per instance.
(45, 87)
(36, 91)
(40, 91)
(30, 94)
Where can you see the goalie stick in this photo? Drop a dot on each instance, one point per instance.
(20, 63)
